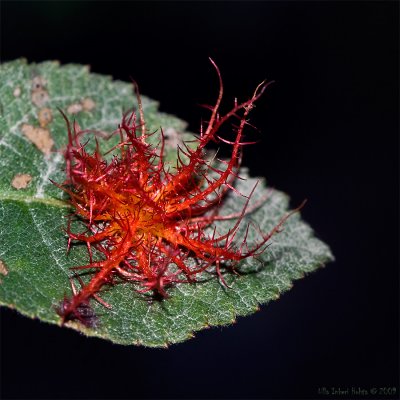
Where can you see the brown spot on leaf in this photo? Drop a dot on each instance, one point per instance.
(74, 108)
(3, 268)
(172, 138)
(21, 181)
(40, 97)
(40, 137)
(17, 92)
(39, 94)
(38, 82)
(88, 104)
(45, 116)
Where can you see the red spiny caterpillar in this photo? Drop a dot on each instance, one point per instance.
(149, 220)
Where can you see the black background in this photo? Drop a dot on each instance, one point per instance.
(329, 133)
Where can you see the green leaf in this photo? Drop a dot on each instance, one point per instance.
(34, 266)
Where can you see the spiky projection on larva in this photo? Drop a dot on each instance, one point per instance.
(149, 220)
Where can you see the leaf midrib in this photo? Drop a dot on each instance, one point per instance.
(32, 199)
